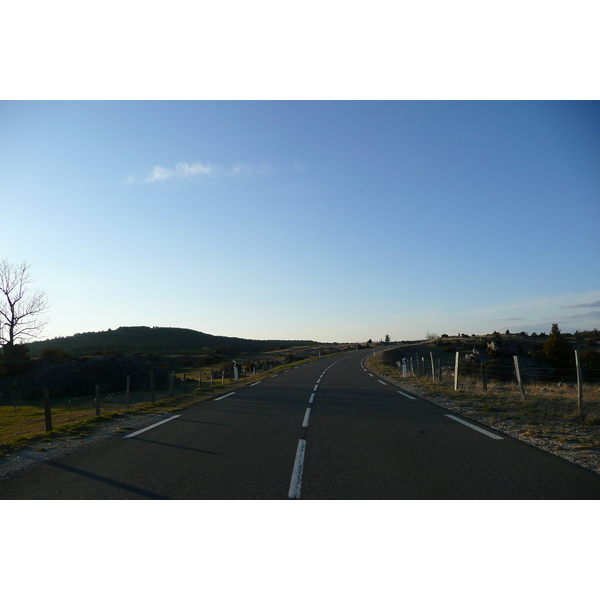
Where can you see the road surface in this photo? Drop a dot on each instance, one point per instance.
(326, 430)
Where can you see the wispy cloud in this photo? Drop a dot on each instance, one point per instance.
(182, 170)
(594, 314)
(198, 171)
(507, 319)
(583, 304)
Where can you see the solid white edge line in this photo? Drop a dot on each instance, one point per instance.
(296, 482)
(225, 396)
(492, 435)
(151, 427)
(306, 418)
(411, 397)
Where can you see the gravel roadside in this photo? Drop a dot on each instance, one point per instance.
(38, 453)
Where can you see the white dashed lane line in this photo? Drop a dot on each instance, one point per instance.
(225, 396)
(306, 418)
(296, 482)
(479, 429)
(151, 426)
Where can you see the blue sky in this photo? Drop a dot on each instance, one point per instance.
(323, 220)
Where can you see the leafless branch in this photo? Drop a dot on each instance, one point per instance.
(21, 309)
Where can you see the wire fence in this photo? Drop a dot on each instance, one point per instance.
(561, 392)
(45, 411)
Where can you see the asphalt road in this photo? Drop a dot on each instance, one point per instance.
(326, 430)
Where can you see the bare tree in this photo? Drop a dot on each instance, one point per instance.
(21, 308)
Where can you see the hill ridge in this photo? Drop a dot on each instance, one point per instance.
(156, 340)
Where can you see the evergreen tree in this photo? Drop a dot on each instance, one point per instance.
(556, 349)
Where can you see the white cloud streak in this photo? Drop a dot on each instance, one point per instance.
(583, 305)
(198, 171)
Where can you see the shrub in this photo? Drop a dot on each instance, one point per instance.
(556, 349)
(14, 360)
(56, 355)
(590, 359)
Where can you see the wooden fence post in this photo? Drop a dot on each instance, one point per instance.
(484, 377)
(47, 411)
(127, 389)
(519, 380)
(579, 385)
(97, 400)
(412, 367)
(456, 372)
(432, 368)
(439, 370)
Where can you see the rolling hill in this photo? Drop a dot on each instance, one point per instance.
(157, 340)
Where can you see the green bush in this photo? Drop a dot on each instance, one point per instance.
(590, 359)
(556, 350)
(56, 355)
(14, 360)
